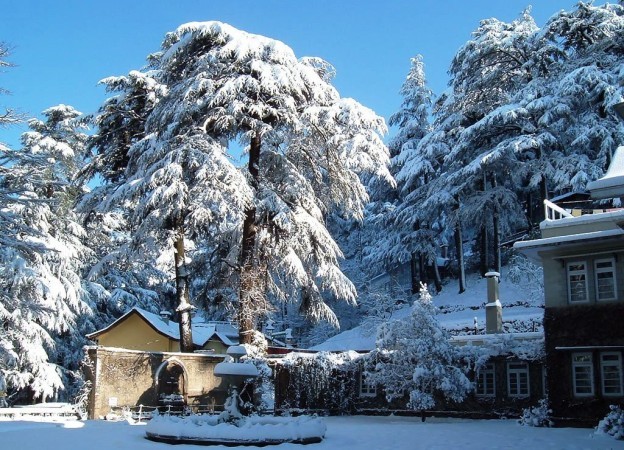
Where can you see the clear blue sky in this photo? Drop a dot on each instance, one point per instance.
(62, 48)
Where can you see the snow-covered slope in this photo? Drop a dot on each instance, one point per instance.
(457, 313)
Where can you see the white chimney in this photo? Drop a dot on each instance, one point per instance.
(493, 308)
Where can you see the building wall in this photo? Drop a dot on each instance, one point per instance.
(134, 333)
(130, 378)
(555, 273)
(341, 393)
(581, 329)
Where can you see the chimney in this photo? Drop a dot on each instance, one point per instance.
(493, 308)
(165, 316)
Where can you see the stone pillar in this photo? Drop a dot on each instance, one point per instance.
(493, 308)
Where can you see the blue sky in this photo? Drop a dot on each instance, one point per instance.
(61, 49)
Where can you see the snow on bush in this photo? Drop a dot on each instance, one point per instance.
(613, 423)
(415, 358)
(319, 381)
(537, 416)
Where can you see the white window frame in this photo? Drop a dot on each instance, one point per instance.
(516, 370)
(367, 389)
(583, 364)
(600, 270)
(614, 364)
(577, 272)
(487, 376)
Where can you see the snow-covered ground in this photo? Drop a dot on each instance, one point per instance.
(359, 432)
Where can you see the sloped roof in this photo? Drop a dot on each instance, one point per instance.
(202, 331)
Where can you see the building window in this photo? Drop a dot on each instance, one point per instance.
(367, 389)
(577, 282)
(605, 279)
(611, 371)
(518, 379)
(485, 381)
(583, 374)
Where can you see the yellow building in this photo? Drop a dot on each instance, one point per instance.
(142, 330)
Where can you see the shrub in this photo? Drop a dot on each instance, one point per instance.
(613, 423)
(537, 416)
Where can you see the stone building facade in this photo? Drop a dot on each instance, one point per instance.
(129, 378)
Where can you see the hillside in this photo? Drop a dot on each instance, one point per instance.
(457, 313)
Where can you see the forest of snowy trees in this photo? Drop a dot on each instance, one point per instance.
(141, 203)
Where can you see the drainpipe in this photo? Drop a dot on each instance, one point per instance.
(493, 308)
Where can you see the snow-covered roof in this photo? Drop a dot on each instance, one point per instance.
(202, 331)
(612, 184)
(530, 248)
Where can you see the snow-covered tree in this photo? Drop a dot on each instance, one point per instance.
(7, 116)
(415, 359)
(129, 274)
(43, 300)
(306, 147)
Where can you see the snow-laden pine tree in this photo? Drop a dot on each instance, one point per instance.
(305, 146)
(129, 273)
(413, 233)
(44, 302)
(415, 360)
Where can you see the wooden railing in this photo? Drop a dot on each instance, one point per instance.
(554, 212)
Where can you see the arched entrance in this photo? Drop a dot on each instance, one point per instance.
(171, 383)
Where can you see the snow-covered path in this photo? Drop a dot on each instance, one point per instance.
(360, 432)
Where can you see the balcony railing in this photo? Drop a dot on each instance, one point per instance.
(554, 212)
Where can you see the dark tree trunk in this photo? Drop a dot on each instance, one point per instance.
(496, 248)
(182, 293)
(437, 279)
(415, 273)
(422, 270)
(483, 251)
(459, 248)
(248, 281)
(529, 209)
(484, 244)
(543, 196)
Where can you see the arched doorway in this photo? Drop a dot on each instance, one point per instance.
(171, 383)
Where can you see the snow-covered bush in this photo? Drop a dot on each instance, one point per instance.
(263, 385)
(537, 416)
(415, 358)
(613, 423)
(319, 381)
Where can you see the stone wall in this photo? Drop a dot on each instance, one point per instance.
(131, 378)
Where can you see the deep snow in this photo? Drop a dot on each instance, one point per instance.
(359, 432)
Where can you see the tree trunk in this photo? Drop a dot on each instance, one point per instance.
(483, 253)
(459, 248)
(247, 279)
(543, 196)
(182, 293)
(496, 239)
(437, 279)
(414, 273)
